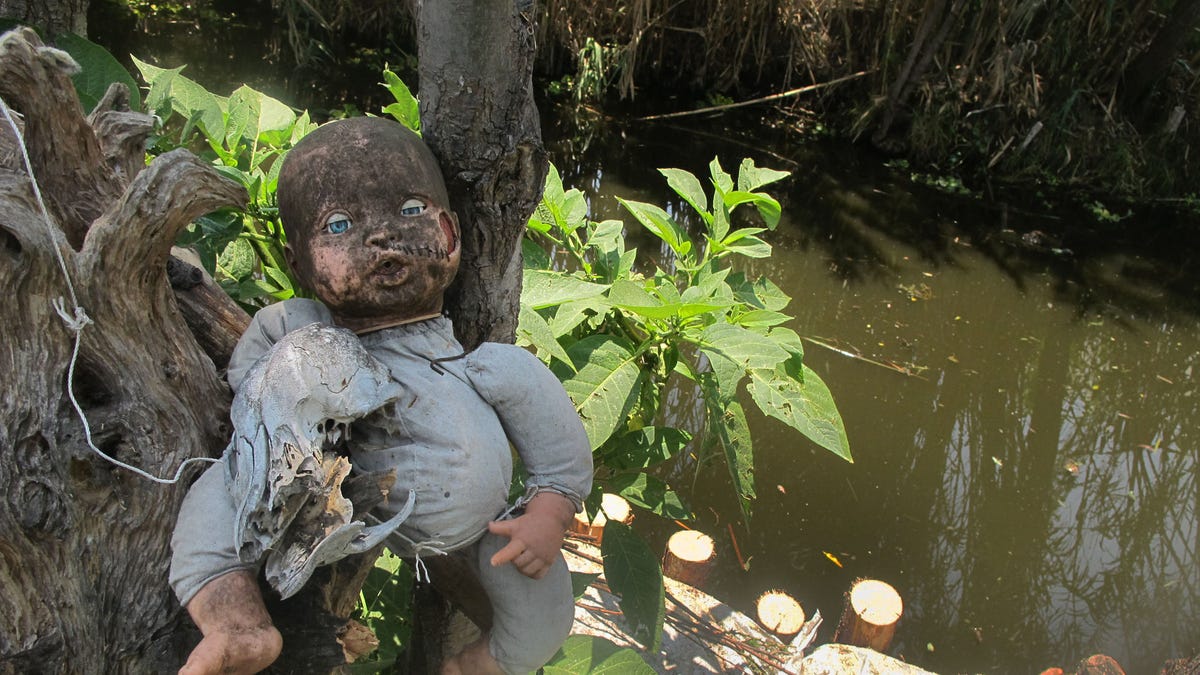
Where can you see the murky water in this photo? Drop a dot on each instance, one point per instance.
(1021, 410)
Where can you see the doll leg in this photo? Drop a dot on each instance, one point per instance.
(532, 617)
(219, 591)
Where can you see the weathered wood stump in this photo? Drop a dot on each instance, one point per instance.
(84, 544)
(690, 557)
(869, 618)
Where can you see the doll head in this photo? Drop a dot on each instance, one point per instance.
(369, 226)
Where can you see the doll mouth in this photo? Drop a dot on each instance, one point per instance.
(390, 270)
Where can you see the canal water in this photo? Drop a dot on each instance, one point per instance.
(1017, 383)
(1016, 380)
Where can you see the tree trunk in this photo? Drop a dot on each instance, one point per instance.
(52, 16)
(478, 116)
(84, 544)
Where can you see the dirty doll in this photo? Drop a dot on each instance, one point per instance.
(370, 233)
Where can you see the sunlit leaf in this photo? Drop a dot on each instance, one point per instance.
(733, 350)
(254, 116)
(633, 572)
(805, 405)
(605, 385)
(406, 109)
(532, 329)
(767, 207)
(687, 186)
(761, 293)
(751, 177)
(660, 224)
(589, 655)
(546, 288)
(762, 317)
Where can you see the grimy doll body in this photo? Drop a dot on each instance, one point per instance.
(370, 233)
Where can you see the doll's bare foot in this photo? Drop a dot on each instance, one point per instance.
(475, 659)
(239, 637)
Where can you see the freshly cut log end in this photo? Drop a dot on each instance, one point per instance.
(780, 613)
(869, 619)
(612, 507)
(690, 557)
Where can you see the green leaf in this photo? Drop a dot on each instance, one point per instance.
(721, 179)
(546, 288)
(632, 297)
(726, 421)
(238, 259)
(532, 329)
(254, 116)
(570, 315)
(588, 655)
(99, 69)
(805, 405)
(633, 572)
(751, 247)
(605, 385)
(686, 185)
(751, 177)
(645, 447)
(761, 293)
(533, 256)
(406, 109)
(580, 582)
(763, 317)
(651, 494)
(733, 350)
(660, 224)
(767, 207)
(189, 99)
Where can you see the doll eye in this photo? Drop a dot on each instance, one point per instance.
(412, 207)
(337, 223)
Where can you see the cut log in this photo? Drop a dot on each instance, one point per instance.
(779, 613)
(869, 619)
(690, 557)
(612, 507)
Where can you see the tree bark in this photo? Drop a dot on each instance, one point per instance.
(84, 544)
(478, 116)
(52, 16)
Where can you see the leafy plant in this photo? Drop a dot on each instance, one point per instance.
(615, 336)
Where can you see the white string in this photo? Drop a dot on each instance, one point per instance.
(78, 320)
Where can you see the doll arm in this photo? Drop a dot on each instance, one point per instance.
(539, 419)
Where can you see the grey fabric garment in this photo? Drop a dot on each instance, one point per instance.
(448, 438)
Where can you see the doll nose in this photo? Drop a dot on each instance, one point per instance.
(383, 238)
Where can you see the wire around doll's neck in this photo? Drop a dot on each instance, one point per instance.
(402, 322)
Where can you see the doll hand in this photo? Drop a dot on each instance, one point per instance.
(536, 536)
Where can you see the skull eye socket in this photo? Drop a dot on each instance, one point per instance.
(413, 207)
(337, 223)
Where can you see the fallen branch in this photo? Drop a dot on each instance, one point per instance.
(764, 99)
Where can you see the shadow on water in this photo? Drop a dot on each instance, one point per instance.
(1031, 488)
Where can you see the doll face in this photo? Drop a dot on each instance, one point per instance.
(369, 227)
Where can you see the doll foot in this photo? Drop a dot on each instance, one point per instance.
(237, 652)
(476, 659)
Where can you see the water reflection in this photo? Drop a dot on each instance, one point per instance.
(1031, 488)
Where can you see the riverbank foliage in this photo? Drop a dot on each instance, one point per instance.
(1090, 96)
